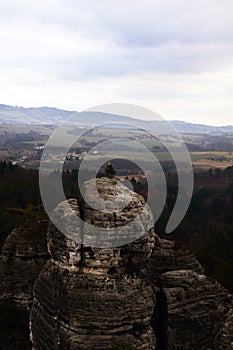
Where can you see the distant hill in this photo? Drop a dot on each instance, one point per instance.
(39, 115)
(184, 127)
(54, 116)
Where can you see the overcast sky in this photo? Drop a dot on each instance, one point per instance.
(173, 56)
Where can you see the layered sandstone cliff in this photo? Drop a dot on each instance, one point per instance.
(224, 337)
(23, 256)
(84, 299)
(195, 307)
(151, 293)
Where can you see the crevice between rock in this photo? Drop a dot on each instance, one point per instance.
(159, 320)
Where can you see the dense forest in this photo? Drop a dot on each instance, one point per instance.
(207, 228)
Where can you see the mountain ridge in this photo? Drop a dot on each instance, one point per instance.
(55, 116)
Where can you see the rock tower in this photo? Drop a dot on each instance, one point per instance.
(151, 293)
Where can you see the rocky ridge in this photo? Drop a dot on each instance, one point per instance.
(151, 293)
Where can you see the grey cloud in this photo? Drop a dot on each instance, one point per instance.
(115, 61)
(76, 40)
(136, 23)
(152, 22)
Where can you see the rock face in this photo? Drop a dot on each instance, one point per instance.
(23, 256)
(224, 337)
(170, 255)
(77, 311)
(195, 305)
(84, 299)
(150, 293)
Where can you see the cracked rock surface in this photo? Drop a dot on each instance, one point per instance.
(151, 293)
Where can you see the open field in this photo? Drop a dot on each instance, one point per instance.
(4, 153)
(23, 129)
(17, 141)
(202, 163)
(200, 160)
(213, 154)
(212, 159)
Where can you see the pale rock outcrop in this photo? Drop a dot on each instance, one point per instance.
(83, 298)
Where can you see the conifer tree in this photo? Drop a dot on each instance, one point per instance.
(109, 170)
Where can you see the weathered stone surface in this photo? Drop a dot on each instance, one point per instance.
(23, 256)
(151, 293)
(195, 305)
(224, 337)
(133, 221)
(74, 310)
(170, 255)
(85, 297)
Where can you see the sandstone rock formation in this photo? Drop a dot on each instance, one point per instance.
(151, 293)
(84, 299)
(170, 255)
(224, 337)
(195, 305)
(23, 256)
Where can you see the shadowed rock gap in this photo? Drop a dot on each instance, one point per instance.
(159, 320)
(82, 253)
